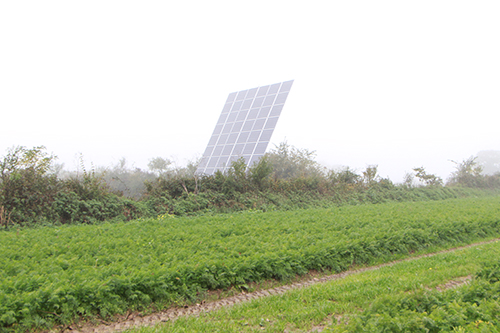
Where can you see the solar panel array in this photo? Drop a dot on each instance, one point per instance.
(245, 126)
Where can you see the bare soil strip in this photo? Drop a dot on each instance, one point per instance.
(136, 320)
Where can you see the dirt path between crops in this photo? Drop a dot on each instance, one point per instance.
(136, 320)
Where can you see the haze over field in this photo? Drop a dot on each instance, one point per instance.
(398, 84)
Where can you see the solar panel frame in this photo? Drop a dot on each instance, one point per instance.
(245, 126)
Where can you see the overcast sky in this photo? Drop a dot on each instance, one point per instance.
(400, 84)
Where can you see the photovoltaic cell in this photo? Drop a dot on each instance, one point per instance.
(244, 127)
(286, 86)
(246, 104)
(276, 110)
(251, 93)
(231, 97)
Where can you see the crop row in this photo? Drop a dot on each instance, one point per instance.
(402, 297)
(58, 274)
(471, 308)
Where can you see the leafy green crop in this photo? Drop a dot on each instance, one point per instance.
(470, 308)
(58, 274)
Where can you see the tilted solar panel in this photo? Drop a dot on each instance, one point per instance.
(245, 126)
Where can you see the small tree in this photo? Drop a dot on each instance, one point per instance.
(370, 174)
(290, 162)
(27, 187)
(427, 179)
(159, 165)
(408, 179)
(468, 173)
(20, 158)
(187, 175)
(346, 176)
(237, 176)
(260, 172)
(172, 180)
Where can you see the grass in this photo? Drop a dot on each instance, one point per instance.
(324, 305)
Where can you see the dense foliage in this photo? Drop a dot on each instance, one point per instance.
(31, 192)
(61, 273)
(471, 308)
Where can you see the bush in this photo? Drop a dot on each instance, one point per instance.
(27, 188)
(286, 178)
(30, 193)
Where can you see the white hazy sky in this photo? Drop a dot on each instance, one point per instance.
(399, 83)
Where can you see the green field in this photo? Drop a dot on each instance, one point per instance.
(409, 296)
(59, 274)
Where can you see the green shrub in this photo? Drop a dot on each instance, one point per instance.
(27, 188)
